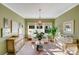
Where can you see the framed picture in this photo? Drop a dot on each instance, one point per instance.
(15, 27)
(20, 29)
(6, 29)
(68, 27)
(1, 32)
(11, 26)
(5, 32)
(5, 22)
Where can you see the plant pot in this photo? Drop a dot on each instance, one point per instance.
(29, 39)
(51, 41)
(39, 39)
(33, 42)
(39, 48)
(45, 42)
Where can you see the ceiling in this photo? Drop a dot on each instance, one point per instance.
(48, 10)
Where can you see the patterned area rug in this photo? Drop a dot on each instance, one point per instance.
(48, 49)
(55, 50)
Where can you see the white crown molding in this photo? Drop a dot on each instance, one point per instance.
(67, 10)
(12, 10)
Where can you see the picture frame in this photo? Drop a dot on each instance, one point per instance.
(15, 27)
(68, 27)
(7, 27)
(5, 23)
(5, 32)
(1, 32)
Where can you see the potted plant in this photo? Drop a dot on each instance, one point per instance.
(39, 36)
(52, 32)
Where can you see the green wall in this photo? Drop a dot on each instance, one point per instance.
(7, 13)
(72, 14)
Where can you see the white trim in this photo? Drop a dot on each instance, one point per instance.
(67, 10)
(12, 10)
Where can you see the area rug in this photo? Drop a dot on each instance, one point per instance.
(57, 49)
(58, 53)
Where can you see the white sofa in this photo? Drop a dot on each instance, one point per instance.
(66, 44)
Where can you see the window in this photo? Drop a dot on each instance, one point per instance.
(46, 29)
(31, 27)
(39, 27)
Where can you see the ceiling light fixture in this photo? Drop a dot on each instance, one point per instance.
(39, 22)
(39, 13)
